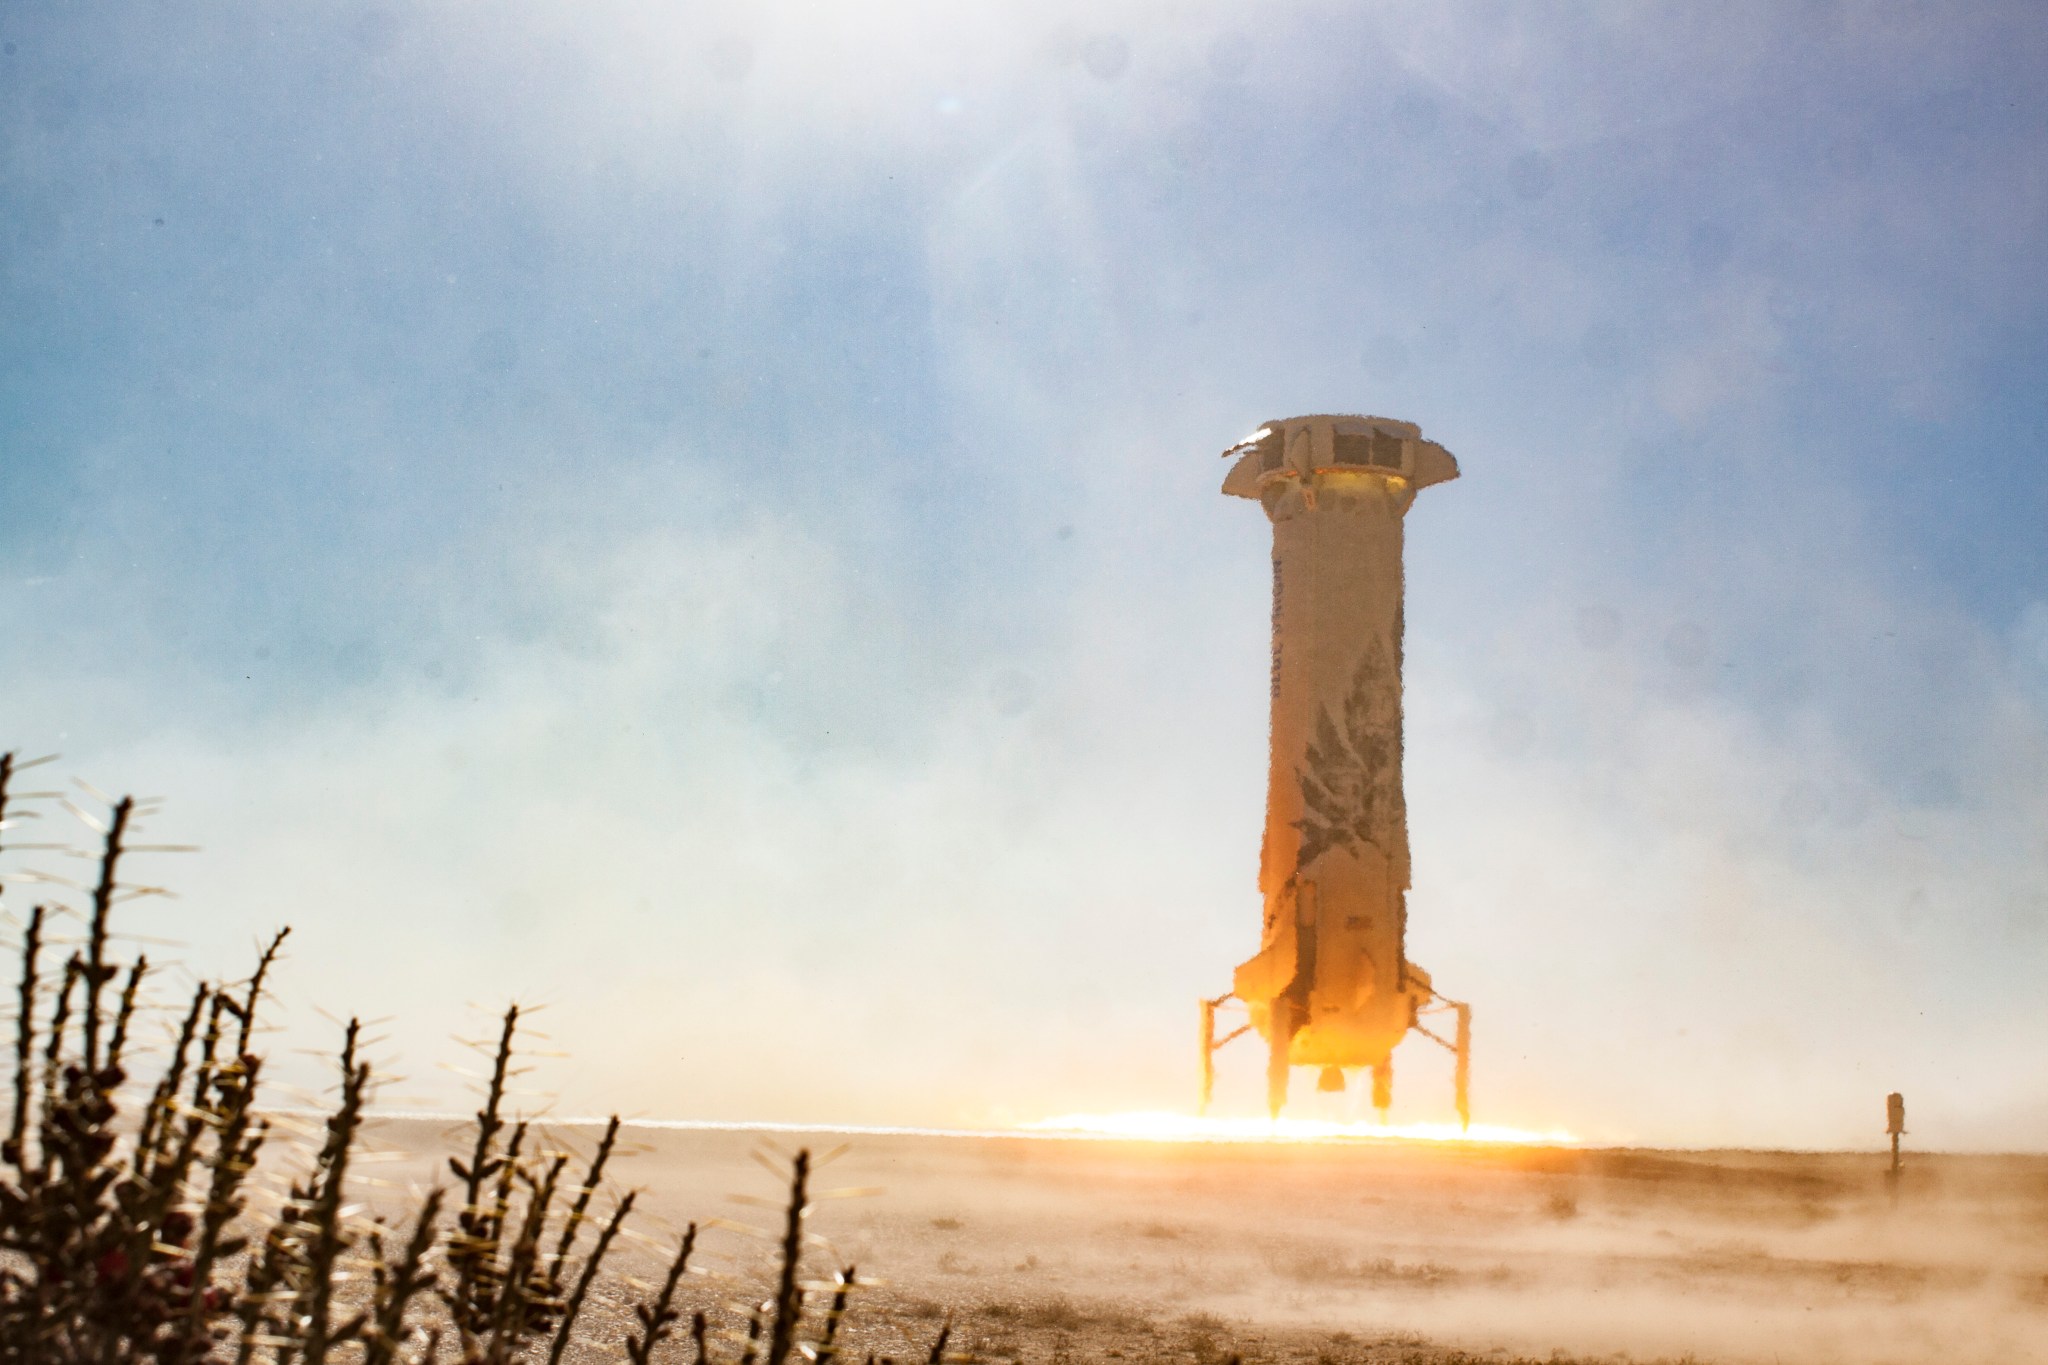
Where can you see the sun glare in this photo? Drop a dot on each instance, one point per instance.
(1165, 1127)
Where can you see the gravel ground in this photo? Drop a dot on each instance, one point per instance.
(1053, 1251)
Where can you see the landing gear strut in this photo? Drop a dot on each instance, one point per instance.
(1210, 1042)
(1280, 1039)
(1461, 1048)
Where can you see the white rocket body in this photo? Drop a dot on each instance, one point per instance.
(1331, 985)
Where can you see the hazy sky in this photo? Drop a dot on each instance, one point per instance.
(706, 516)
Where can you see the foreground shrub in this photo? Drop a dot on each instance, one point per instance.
(128, 1232)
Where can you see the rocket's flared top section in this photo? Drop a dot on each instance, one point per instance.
(1300, 447)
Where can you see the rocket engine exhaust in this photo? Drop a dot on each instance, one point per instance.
(1331, 985)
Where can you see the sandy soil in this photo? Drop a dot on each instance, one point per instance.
(1055, 1251)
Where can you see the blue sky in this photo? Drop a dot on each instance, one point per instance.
(707, 516)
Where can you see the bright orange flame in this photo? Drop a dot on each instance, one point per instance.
(1164, 1127)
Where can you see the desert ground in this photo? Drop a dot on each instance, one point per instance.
(1048, 1250)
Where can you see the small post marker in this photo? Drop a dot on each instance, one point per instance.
(1895, 1124)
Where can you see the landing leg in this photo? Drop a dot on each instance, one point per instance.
(1208, 1052)
(1463, 1077)
(1383, 1088)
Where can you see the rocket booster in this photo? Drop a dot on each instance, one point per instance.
(1331, 985)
